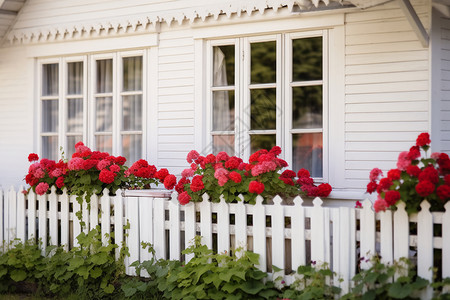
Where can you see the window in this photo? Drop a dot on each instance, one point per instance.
(270, 90)
(97, 99)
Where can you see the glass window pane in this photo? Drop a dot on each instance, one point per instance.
(103, 143)
(223, 65)
(50, 80)
(262, 141)
(307, 59)
(75, 78)
(49, 115)
(132, 73)
(264, 62)
(308, 153)
(307, 107)
(132, 147)
(50, 147)
(132, 112)
(263, 109)
(104, 75)
(223, 110)
(75, 115)
(71, 141)
(223, 143)
(103, 114)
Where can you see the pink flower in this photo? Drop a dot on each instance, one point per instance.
(222, 180)
(222, 156)
(103, 164)
(435, 155)
(75, 164)
(114, 168)
(192, 156)
(220, 172)
(39, 173)
(56, 173)
(374, 174)
(380, 205)
(403, 161)
(42, 188)
(187, 172)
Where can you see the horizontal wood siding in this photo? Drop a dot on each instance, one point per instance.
(444, 114)
(175, 97)
(387, 89)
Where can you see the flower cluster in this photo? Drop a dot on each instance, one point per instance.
(414, 180)
(221, 174)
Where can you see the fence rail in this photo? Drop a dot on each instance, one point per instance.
(285, 236)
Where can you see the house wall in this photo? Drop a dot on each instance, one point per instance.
(386, 96)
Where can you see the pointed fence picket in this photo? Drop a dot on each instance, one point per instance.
(286, 236)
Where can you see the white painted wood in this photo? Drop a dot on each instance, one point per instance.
(327, 235)
(118, 221)
(132, 215)
(65, 227)
(12, 215)
(21, 215)
(31, 198)
(223, 226)
(414, 21)
(2, 212)
(145, 225)
(76, 221)
(259, 233)
(318, 232)
(93, 212)
(206, 221)
(85, 216)
(189, 227)
(352, 247)
(42, 215)
(240, 221)
(298, 234)
(174, 229)
(105, 205)
(367, 237)
(159, 231)
(425, 246)
(53, 217)
(401, 233)
(342, 245)
(278, 241)
(446, 241)
(386, 237)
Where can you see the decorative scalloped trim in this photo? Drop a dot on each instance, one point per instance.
(150, 22)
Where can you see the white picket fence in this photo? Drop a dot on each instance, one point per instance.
(285, 236)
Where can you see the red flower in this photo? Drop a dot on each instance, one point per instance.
(288, 174)
(425, 188)
(358, 204)
(423, 139)
(33, 157)
(180, 185)
(42, 188)
(305, 181)
(380, 205)
(106, 176)
(256, 187)
(192, 155)
(276, 150)
(443, 192)
(414, 153)
(210, 158)
(385, 184)
(371, 187)
(375, 173)
(197, 183)
(89, 163)
(114, 168)
(235, 176)
(303, 173)
(222, 156)
(161, 174)
(233, 163)
(184, 198)
(60, 182)
(170, 181)
(430, 174)
(447, 179)
(394, 174)
(120, 160)
(413, 170)
(323, 190)
(287, 180)
(391, 197)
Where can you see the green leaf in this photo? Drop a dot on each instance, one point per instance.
(109, 289)
(96, 272)
(398, 291)
(252, 287)
(18, 275)
(76, 262)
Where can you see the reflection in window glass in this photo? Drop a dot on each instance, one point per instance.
(223, 65)
(307, 59)
(307, 107)
(132, 147)
(50, 80)
(262, 141)
(132, 73)
(103, 143)
(71, 141)
(75, 115)
(308, 153)
(49, 115)
(103, 114)
(104, 73)
(75, 78)
(263, 62)
(263, 109)
(50, 147)
(223, 143)
(223, 110)
(132, 112)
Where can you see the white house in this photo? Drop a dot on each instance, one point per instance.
(341, 86)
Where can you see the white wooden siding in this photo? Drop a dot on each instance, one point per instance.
(444, 101)
(387, 89)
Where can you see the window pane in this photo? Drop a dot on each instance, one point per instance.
(223, 143)
(103, 114)
(104, 76)
(103, 143)
(50, 80)
(223, 65)
(75, 78)
(263, 62)
(307, 59)
(307, 107)
(262, 141)
(71, 141)
(49, 115)
(308, 153)
(132, 147)
(132, 112)
(263, 109)
(223, 110)
(132, 73)
(50, 147)
(75, 115)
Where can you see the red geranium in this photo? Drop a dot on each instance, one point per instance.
(197, 183)
(423, 139)
(184, 198)
(170, 181)
(391, 197)
(256, 187)
(106, 176)
(235, 176)
(33, 157)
